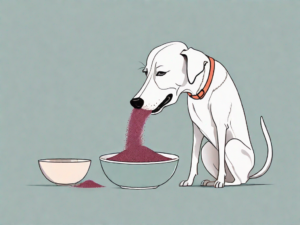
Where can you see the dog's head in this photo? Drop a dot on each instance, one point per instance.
(170, 70)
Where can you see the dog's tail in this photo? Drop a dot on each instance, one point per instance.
(270, 152)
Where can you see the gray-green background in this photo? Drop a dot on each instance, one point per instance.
(68, 71)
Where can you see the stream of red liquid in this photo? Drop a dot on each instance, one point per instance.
(134, 150)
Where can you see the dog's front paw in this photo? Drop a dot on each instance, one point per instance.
(185, 183)
(219, 183)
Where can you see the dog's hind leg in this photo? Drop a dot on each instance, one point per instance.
(240, 161)
(210, 159)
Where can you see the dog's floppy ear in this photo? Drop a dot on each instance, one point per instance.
(195, 63)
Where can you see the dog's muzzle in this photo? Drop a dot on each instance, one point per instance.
(139, 102)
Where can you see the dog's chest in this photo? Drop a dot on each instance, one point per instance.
(201, 116)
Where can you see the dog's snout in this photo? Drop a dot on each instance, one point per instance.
(137, 103)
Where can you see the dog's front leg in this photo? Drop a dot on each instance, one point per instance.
(198, 137)
(221, 132)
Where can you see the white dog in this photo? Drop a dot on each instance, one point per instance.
(214, 107)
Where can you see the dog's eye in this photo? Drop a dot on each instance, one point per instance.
(160, 73)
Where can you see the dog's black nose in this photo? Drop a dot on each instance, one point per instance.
(137, 103)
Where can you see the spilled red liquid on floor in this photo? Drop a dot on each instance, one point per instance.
(134, 150)
(88, 184)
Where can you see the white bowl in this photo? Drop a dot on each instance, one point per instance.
(139, 175)
(64, 171)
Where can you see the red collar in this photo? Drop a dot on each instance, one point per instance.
(202, 93)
